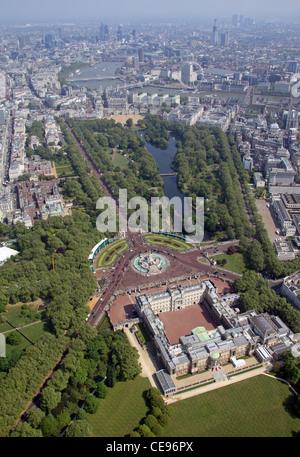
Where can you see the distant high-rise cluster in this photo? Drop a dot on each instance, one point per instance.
(104, 32)
(219, 38)
(238, 21)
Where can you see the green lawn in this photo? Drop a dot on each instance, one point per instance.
(14, 315)
(235, 262)
(119, 160)
(121, 411)
(33, 333)
(110, 253)
(143, 334)
(257, 407)
(104, 324)
(64, 171)
(168, 241)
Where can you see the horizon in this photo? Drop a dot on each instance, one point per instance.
(31, 11)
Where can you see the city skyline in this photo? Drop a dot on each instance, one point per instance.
(65, 10)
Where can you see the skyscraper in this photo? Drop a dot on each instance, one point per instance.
(224, 39)
(141, 55)
(235, 20)
(119, 34)
(102, 32)
(135, 62)
(49, 40)
(215, 36)
(106, 33)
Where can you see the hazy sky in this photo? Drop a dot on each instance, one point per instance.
(118, 10)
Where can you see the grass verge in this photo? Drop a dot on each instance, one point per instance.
(168, 241)
(110, 253)
(234, 262)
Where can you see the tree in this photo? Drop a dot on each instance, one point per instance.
(231, 250)
(291, 368)
(129, 122)
(111, 377)
(14, 338)
(156, 411)
(255, 256)
(50, 398)
(49, 426)
(127, 365)
(151, 393)
(35, 417)
(23, 429)
(96, 348)
(135, 434)
(163, 419)
(59, 380)
(78, 429)
(82, 371)
(157, 429)
(63, 418)
(91, 404)
(297, 406)
(101, 390)
(145, 431)
(150, 421)
(155, 399)
(81, 414)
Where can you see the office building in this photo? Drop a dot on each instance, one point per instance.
(224, 39)
(284, 250)
(215, 34)
(293, 66)
(283, 216)
(235, 20)
(290, 288)
(106, 33)
(248, 162)
(119, 33)
(102, 32)
(258, 180)
(292, 119)
(188, 75)
(141, 55)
